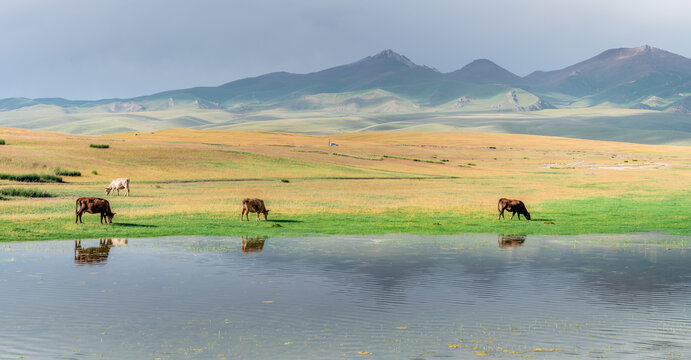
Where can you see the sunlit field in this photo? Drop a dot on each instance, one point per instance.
(192, 182)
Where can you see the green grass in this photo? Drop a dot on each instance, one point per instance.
(665, 214)
(65, 172)
(2, 141)
(24, 192)
(31, 177)
(99, 146)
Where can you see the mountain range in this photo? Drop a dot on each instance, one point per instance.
(389, 84)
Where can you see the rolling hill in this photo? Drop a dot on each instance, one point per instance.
(639, 94)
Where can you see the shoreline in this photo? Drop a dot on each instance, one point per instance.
(401, 222)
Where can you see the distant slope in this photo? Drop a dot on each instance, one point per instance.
(619, 76)
(388, 91)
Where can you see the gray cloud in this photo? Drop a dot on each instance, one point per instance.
(89, 49)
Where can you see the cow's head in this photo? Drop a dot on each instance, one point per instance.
(110, 217)
(527, 215)
(108, 190)
(266, 212)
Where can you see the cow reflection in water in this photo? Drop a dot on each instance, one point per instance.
(95, 254)
(252, 244)
(510, 241)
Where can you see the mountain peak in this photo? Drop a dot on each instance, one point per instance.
(612, 68)
(486, 71)
(389, 55)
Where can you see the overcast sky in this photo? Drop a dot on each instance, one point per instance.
(93, 49)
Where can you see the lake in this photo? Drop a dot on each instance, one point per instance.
(348, 297)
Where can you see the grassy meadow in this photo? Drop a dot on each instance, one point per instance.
(596, 123)
(191, 182)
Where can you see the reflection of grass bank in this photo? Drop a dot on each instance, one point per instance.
(588, 216)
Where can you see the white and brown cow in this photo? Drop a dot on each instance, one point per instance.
(255, 206)
(117, 184)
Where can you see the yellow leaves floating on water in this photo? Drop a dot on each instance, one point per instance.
(363, 352)
(480, 353)
(401, 327)
(454, 345)
(268, 302)
(288, 343)
(538, 349)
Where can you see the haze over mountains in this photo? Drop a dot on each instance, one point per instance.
(387, 85)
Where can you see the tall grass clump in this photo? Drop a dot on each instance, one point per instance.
(99, 146)
(22, 192)
(31, 177)
(64, 172)
(413, 159)
(2, 141)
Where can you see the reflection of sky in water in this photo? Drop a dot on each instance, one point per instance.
(246, 298)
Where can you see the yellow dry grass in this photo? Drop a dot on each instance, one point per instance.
(182, 170)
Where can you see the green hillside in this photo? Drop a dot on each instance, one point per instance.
(639, 94)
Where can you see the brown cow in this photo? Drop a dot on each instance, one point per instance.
(94, 205)
(514, 206)
(255, 206)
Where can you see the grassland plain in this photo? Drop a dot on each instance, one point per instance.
(191, 182)
(597, 123)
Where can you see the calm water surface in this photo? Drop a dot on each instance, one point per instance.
(348, 297)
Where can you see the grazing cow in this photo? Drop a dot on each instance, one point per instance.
(514, 206)
(91, 255)
(94, 205)
(117, 184)
(255, 206)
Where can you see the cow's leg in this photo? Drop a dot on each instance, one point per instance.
(101, 218)
(118, 189)
(257, 216)
(242, 215)
(512, 215)
(127, 192)
(501, 214)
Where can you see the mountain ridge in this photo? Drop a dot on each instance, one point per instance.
(604, 78)
(388, 91)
